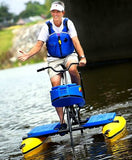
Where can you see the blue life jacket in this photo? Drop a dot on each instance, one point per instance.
(59, 44)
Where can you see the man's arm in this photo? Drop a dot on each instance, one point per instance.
(79, 50)
(24, 56)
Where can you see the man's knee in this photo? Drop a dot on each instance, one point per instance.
(73, 71)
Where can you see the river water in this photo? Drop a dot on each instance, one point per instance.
(25, 103)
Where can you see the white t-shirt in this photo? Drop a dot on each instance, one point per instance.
(44, 33)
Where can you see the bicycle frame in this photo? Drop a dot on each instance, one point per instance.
(72, 111)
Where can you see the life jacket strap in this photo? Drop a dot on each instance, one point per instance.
(50, 27)
(65, 29)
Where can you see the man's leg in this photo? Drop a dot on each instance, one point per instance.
(56, 81)
(75, 77)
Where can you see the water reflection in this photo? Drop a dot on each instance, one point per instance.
(108, 85)
(121, 148)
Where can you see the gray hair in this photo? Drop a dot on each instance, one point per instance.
(60, 3)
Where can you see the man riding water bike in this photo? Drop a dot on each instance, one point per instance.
(63, 47)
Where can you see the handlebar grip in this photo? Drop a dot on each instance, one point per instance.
(41, 69)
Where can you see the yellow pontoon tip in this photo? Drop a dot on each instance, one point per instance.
(115, 129)
(32, 146)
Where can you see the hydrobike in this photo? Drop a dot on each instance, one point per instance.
(71, 97)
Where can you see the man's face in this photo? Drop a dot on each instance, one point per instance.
(57, 15)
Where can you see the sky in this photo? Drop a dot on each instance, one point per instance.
(17, 6)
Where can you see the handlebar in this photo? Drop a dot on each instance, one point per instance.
(60, 71)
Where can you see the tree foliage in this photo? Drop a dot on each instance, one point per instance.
(36, 9)
(32, 9)
(4, 13)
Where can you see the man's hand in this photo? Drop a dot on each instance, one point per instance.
(82, 62)
(22, 55)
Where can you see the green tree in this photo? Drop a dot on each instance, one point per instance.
(35, 8)
(4, 13)
(32, 9)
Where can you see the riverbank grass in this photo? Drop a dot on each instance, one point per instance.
(6, 37)
(6, 41)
